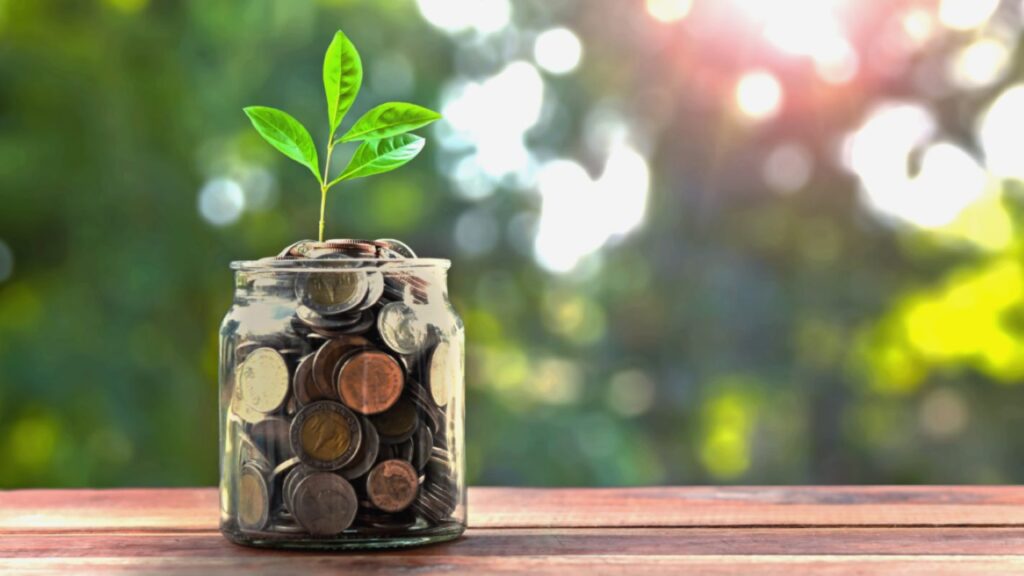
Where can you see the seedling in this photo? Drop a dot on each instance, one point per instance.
(382, 132)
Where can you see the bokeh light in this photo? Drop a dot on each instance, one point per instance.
(557, 50)
(979, 64)
(1000, 136)
(966, 14)
(787, 168)
(221, 201)
(496, 141)
(669, 10)
(454, 16)
(759, 95)
(580, 214)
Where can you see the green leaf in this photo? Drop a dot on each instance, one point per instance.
(388, 120)
(377, 156)
(343, 74)
(286, 134)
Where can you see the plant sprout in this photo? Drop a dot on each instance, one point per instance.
(382, 132)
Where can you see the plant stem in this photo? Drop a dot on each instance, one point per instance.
(323, 184)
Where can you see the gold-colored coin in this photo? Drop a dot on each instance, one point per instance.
(325, 435)
(334, 292)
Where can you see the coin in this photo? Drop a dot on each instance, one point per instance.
(370, 382)
(331, 292)
(325, 503)
(238, 406)
(290, 480)
(398, 247)
(253, 499)
(273, 437)
(398, 423)
(400, 328)
(367, 455)
(303, 387)
(392, 485)
(446, 366)
(324, 362)
(423, 441)
(325, 435)
(374, 289)
(423, 401)
(263, 380)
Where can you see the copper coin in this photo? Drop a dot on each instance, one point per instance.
(370, 382)
(398, 423)
(325, 503)
(392, 485)
(325, 435)
(324, 362)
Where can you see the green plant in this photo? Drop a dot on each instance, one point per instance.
(382, 131)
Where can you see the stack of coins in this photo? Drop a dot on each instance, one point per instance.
(341, 422)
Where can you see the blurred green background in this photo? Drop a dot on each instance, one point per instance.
(695, 242)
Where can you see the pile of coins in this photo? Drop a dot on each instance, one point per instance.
(340, 422)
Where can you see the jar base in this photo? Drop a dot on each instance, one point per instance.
(414, 539)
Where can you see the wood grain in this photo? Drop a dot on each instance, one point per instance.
(769, 530)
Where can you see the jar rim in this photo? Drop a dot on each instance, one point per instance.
(329, 264)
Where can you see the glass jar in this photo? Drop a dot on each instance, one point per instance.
(341, 405)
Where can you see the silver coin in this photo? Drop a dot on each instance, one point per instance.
(374, 289)
(368, 452)
(294, 249)
(264, 380)
(446, 369)
(253, 499)
(401, 329)
(423, 441)
(291, 478)
(273, 436)
(325, 504)
(397, 246)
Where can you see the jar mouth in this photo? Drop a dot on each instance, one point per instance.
(339, 263)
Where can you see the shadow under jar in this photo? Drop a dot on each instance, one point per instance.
(341, 405)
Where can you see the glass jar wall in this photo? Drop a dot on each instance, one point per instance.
(341, 404)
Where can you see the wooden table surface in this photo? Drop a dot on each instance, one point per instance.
(773, 530)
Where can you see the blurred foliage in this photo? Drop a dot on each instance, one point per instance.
(738, 335)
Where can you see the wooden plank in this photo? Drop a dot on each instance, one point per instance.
(595, 542)
(555, 565)
(750, 506)
(196, 509)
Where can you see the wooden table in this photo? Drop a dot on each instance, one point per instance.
(772, 530)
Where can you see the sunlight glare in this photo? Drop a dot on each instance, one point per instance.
(580, 214)
(558, 50)
(454, 16)
(497, 140)
(669, 10)
(966, 14)
(979, 64)
(759, 95)
(949, 179)
(1000, 135)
